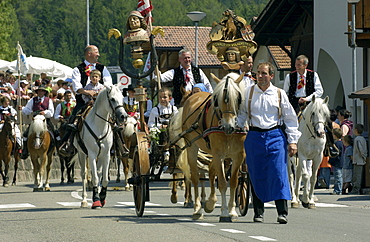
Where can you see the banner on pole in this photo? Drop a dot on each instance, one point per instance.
(21, 61)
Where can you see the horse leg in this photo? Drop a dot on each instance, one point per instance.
(6, 172)
(62, 168)
(70, 171)
(36, 172)
(48, 169)
(126, 169)
(210, 204)
(203, 194)
(189, 203)
(298, 178)
(118, 162)
(82, 158)
(315, 167)
(174, 189)
(292, 170)
(305, 179)
(16, 160)
(192, 159)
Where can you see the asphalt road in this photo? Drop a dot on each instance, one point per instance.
(56, 216)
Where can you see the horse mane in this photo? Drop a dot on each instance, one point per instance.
(316, 106)
(130, 127)
(233, 90)
(38, 125)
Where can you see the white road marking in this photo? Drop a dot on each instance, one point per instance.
(19, 205)
(233, 231)
(164, 214)
(72, 204)
(150, 212)
(330, 205)
(262, 238)
(184, 219)
(132, 204)
(205, 224)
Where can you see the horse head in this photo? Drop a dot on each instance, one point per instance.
(316, 115)
(9, 125)
(226, 98)
(38, 127)
(115, 99)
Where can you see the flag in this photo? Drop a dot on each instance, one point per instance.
(147, 66)
(145, 7)
(22, 66)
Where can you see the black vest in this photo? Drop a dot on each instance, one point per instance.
(310, 86)
(179, 80)
(84, 77)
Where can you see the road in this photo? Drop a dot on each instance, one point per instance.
(56, 216)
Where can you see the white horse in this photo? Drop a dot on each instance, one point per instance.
(95, 140)
(311, 145)
(130, 128)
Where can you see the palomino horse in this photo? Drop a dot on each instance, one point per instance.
(7, 146)
(210, 124)
(130, 127)
(94, 142)
(311, 145)
(41, 151)
(66, 163)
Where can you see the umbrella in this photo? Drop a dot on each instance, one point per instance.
(39, 65)
(4, 65)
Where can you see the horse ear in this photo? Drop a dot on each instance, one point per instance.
(326, 100)
(215, 78)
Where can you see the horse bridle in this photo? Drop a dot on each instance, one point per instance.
(114, 118)
(219, 114)
(313, 125)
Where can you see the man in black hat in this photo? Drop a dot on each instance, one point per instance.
(41, 104)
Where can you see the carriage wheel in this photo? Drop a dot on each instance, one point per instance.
(140, 169)
(139, 188)
(242, 194)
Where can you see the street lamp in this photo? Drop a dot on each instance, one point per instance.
(196, 16)
(87, 23)
(353, 46)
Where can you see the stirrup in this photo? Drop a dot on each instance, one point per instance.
(117, 128)
(72, 127)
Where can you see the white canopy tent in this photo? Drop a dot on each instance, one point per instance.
(38, 65)
(4, 65)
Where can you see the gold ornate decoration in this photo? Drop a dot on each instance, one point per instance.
(231, 41)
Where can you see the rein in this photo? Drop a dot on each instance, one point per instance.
(313, 125)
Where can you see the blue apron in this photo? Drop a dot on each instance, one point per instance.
(267, 164)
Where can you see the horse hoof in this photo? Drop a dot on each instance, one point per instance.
(127, 188)
(198, 216)
(6, 185)
(61, 183)
(96, 205)
(118, 180)
(225, 219)
(207, 208)
(173, 198)
(305, 205)
(311, 206)
(295, 205)
(188, 204)
(47, 189)
(84, 204)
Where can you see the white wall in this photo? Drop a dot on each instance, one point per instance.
(333, 56)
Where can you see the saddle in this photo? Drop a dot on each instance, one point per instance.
(83, 115)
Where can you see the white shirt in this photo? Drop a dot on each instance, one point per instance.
(13, 112)
(27, 110)
(154, 115)
(168, 77)
(265, 111)
(246, 82)
(302, 92)
(76, 77)
(149, 106)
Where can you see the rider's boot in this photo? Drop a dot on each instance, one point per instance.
(24, 154)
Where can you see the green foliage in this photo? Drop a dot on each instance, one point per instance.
(56, 29)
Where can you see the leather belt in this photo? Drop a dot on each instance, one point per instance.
(252, 128)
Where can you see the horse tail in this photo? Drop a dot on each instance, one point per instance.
(175, 130)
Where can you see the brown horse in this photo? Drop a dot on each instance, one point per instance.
(130, 127)
(7, 147)
(209, 124)
(41, 151)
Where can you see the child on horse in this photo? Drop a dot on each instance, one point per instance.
(7, 110)
(39, 105)
(64, 109)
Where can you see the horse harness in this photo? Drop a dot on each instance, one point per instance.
(97, 139)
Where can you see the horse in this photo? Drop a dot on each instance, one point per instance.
(209, 124)
(66, 163)
(94, 141)
(311, 145)
(41, 152)
(7, 147)
(130, 128)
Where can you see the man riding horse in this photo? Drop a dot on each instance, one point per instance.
(39, 105)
